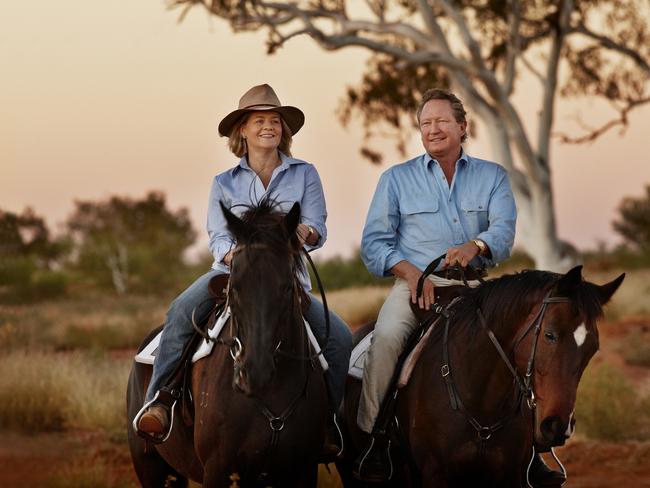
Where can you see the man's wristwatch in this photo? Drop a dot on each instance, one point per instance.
(482, 246)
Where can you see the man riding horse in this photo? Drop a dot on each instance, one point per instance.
(443, 201)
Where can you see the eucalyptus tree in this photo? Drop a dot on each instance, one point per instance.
(485, 50)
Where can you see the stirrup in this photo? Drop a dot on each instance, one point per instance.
(148, 437)
(557, 460)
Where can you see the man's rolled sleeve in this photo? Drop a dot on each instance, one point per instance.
(220, 239)
(312, 207)
(378, 250)
(502, 217)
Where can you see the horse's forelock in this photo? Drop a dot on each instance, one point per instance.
(266, 224)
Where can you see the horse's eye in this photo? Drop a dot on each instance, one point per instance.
(550, 337)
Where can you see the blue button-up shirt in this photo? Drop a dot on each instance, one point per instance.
(238, 188)
(415, 215)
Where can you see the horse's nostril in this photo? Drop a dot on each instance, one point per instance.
(553, 431)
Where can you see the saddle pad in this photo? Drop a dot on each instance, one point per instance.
(148, 353)
(358, 359)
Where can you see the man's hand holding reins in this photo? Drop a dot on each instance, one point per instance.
(411, 275)
(461, 255)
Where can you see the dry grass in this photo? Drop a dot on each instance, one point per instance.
(55, 391)
(609, 408)
(358, 305)
(94, 322)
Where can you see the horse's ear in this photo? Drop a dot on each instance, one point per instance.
(606, 291)
(570, 281)
(292, 219)
(236, 225)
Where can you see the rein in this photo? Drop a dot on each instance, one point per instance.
(276, 422)
(524, 383)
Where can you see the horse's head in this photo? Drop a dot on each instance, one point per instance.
(567, 340)
(263, 289)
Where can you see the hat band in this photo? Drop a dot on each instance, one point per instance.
(259, 105)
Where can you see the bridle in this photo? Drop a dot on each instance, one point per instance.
(524, 383)
(236, 349)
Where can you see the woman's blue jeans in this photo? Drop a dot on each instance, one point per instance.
(178, 330)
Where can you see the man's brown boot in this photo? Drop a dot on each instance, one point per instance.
(155, 420)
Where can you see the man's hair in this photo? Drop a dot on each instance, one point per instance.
(457, 107)
(237, 144)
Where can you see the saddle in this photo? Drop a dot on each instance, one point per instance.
(176, 389)
(411, 353)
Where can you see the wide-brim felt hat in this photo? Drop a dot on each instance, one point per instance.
(262, 97)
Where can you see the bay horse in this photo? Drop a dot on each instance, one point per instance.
(259, 404)
(496, 379)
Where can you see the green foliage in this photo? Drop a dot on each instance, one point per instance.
(633, 222)
(337, 273)
(27, 257)
(130, 244)
(608, 407)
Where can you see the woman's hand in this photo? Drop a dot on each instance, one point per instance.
(307, 234)
(227, 258)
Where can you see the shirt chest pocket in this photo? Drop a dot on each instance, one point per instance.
(475, 211)
(286, 195)
(421, 219)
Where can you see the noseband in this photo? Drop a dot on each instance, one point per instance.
(525, 383)
(276, 422)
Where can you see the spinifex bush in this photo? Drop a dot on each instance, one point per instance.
(609, 408)
(56, 391)
(636, 348)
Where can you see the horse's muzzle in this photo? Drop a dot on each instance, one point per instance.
(555, 432)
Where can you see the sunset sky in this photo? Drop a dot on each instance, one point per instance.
(102, 98)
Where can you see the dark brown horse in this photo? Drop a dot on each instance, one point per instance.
(259, 403)
(470, 415)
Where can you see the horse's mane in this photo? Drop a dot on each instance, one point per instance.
(266, 222)
(511, 297)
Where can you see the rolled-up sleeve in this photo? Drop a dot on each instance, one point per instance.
(502, 218)
(312, 206)
(378, 242)
(220, 239)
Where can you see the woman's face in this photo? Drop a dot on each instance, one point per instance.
(262, 130)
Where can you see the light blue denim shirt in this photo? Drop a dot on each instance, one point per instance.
(292, 181)
(415, 215)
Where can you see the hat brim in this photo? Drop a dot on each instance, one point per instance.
(293, 117)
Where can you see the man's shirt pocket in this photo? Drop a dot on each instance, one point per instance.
(475, 212)
(421, 219)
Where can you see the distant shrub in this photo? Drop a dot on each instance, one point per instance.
(37, 286)
(636, 348)
(337, 273)
(608, 407)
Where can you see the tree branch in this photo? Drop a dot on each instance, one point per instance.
(514, 46)
(596, 133)
(608, 43)
(547, 109)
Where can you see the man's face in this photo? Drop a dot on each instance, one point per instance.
(440, 132)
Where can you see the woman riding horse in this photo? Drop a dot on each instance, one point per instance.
(260, 133)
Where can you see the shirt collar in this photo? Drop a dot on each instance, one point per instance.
(285, 161)
(427, 159)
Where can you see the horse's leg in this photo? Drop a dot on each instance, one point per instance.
(150, 467)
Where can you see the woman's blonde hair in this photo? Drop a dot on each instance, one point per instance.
(237, 144)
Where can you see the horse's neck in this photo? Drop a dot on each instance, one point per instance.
(481, 375)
